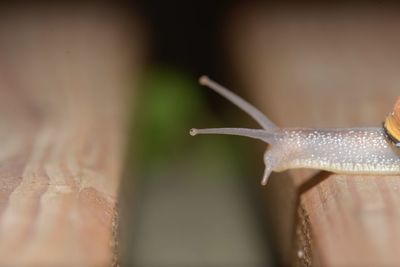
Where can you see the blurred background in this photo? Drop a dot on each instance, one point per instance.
(190, 201)
(197, 201)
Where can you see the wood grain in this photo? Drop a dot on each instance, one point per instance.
(64, 72)
(324, 66)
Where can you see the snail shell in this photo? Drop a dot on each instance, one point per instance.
(392, 124)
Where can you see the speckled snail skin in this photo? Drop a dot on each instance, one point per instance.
(340, 150)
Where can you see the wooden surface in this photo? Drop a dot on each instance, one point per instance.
(63, 78)
(324, 66)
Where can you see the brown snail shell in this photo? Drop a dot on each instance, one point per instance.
(392, 124)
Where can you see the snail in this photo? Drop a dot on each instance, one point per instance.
(368, 151)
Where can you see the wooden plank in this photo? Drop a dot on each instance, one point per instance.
(321, 66)
(63, 79)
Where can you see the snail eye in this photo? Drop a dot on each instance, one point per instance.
(392, 125)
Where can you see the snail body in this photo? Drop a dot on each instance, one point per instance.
(366, 151)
